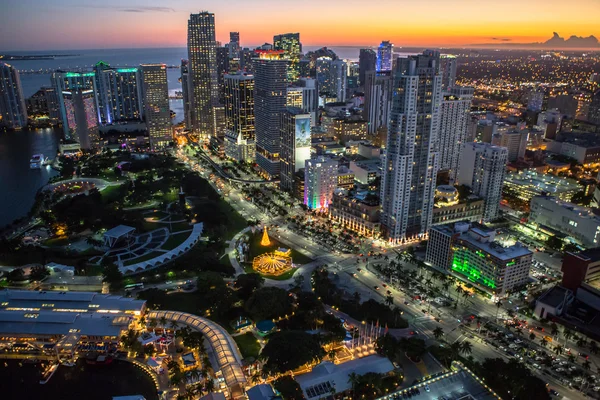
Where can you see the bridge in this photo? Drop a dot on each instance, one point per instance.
(225, 350)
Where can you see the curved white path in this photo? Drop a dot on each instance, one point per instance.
(224, 347)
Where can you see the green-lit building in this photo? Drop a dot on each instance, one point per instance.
(472, 253)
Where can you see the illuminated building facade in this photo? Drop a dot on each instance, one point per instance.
(527, 184)
(357, 215)
(367, 61)
(223, 68)
(331, 78)
(81, 117)
(345, 130)
(270, 96)
(186, 91)
(119, 92)
(465, 210)
(303, 94)
(385, 57)
(472, 253)
(456, 106)
(295, 145)
(411, 160)
(292, 48)
(202, 56)
(13, 112)
(156, 101)
(378, 96)
(448, 71)
(67, 82)
(482, 168)
(594, 109)
(240, 131)
(320, 181)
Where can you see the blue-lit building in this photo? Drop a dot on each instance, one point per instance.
(118, 93)
(385, 53)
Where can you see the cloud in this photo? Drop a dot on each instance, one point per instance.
(501, 39)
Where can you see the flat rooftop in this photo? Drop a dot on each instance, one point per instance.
(541, 182)
(554, 297)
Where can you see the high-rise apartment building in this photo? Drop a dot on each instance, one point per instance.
(482, 168)
(385, 57)
(240, 132)
(303, 94)
(295, 144)
(270, 96)
(514, 139)
(535, 100)
(234, 44)
(292, 49)
(378, 95)
(448, 71)
(411, 160)
(594, 109)
(367, 61)
(222, 70)
(119, 93)
(320, 182)
(456, 105)
(13, 112)
(186, 92)
(69, 81)
(202, 56)
(156, 101)
(331, 77)
(81, 117)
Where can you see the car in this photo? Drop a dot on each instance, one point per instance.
(359, 269)
(384, 285)
(427, 389)
(559, 369)
(405, 303)
(424, 311)
(376, 287)
(553, 392)
(518, 341)
(577, 379)
(388, 291)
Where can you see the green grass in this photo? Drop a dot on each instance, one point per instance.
(112, 193)
(57, 242)
(248, 344)
(145, 257)
(175, 240)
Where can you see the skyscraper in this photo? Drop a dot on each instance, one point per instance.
(292, 48)
(482, 168)
(448, 71)
(320, 181)
(13, 112)
(385, 53)
(239, 117)
(81, 117)
(456, 106)
(119, 93)
(156, 101)
(594, 110)
(270, 83)
(367, 61)
(186, 92)
(69, 81)
(410, 163)
(234, 44)
(331, 76)
(378, 95)
(222, 70)
(295, 144)
(203, 72)
(304, 95)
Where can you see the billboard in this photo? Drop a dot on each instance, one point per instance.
(302, 141)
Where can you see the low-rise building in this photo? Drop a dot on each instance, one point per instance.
(472, 253)
(366, 171)
(470, 210)
(582, 146)
(345, 178)
(356, 213)
(581, 223)
(553, 302)
(527, 184)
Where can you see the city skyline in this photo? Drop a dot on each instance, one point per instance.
(151, 24)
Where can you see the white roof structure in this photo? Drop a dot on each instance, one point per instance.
(225, 349)
(167, 256)
(112, 236)
(260, 392)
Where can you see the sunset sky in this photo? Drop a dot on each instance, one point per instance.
(87, 24)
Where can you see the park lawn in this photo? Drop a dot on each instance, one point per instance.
(112, 193)
(248, 344)
(257, 249)
(175, 240)
(145, 257)
(57, 241)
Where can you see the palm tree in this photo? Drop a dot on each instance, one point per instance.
(174, 325)
(455, 349)
(152, 324)
(586, 365)
(438, 333)
(531, 336)
(466, 347)
(554, 329)
(498, 305)
(389, 300)
(593, 347)
(568, 334)
(163, 322)
(571, 358)
(353, 380)
(543, 342)
(558, 349)
(459, 290)
(209, 386)
(331, 354)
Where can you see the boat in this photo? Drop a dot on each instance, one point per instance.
(36, 161)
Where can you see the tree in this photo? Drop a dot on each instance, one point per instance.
(269, 303)
(38, 273)
(113, 276)
(593, 347)
(289, 388)
(438, 333)
(586, 365)
(288, 350)
(153, 324)
(543, 342)
(554, 243)
(567, 333)
(16, 275)
(531, 336)
(246, 284)
(554, 329)
(558, 349)
(466, 347)
(498, 305)
(389, 300)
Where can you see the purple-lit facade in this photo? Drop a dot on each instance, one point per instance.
(320, 181)
(82, 117)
